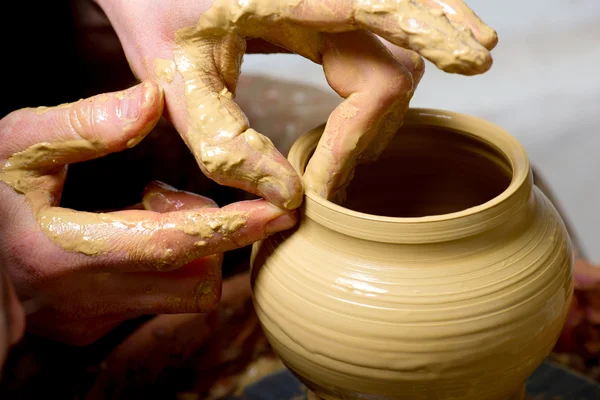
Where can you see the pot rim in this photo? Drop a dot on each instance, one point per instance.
(449, 226)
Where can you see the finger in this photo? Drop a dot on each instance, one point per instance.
(162, 198)
(410, 59)
(145, 240)
(81, 310)
(406, 23)
(377, 89)
(451, 47)
(217, 131)
(193, 288)
(167, 338)
(90, 128)
(458, 12)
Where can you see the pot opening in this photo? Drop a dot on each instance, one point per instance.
(428, 170)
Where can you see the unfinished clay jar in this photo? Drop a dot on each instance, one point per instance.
(446, 275)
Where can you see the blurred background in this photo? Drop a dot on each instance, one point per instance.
(544, 88)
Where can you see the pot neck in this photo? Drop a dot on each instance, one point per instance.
(503, 209)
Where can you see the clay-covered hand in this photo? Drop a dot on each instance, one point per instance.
(196, 49)
(12, 317)
(91, 271)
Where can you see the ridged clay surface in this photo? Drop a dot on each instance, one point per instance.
(463, 305)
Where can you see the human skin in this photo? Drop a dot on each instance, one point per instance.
(12, 317)
(205, 48)
(140, 261)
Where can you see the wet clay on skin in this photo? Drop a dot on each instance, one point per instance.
(459, 295)
(164, 70)
(34, 171)
(209, 55)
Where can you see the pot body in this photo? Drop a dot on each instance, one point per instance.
(463, 305)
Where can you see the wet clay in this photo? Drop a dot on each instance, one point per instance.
(460, 298)
(208, 56)
(93, 233)
(224, 145)
(35, 171)
(164, 69)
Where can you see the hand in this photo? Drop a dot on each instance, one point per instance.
(207, 344)
(92, 271)
(196, 49)
(12, 318)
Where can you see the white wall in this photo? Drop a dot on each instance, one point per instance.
(544, 88)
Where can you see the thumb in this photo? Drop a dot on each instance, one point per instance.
(89, 128)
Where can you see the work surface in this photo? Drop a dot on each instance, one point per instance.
(549, 382)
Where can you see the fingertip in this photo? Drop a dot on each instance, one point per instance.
(151, 106)
(484, 65)
(161, 197)
(284, 192)
(157, 186)
(262, 217)
(470, 64)
(153, 97)
(279, 219)
(281, 223)
(296, 200)
(490, 39)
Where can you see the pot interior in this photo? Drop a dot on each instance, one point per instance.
(428, 170)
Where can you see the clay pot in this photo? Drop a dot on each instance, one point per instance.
(446, 275)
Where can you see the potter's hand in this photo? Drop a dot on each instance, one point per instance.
(92, 271)
(12, 321)
(211, 344)
(197, 52)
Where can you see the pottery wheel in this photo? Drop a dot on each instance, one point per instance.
(549, 382)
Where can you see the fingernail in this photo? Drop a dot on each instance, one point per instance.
(281, 223)
(161, 186)
(155, 201)
(131, 103)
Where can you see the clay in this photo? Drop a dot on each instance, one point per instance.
(225, 147)
(34, 171)
(208, 57)
(164, 69)
(92, 233)
(459, 291)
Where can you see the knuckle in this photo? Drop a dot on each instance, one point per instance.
(80, 118)
(402, 81)
(29, 260)
(12, 129)
(204, 298)
(218, 161)
(206, 295)
(397, 85)
(419, 66)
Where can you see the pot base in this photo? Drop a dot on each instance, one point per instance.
(520, 395)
